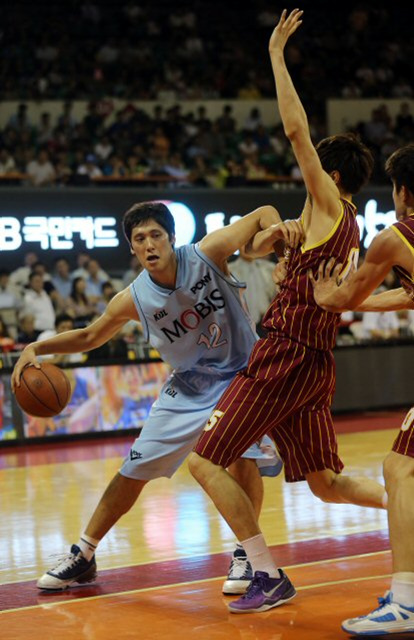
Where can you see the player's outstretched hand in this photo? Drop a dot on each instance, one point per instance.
(284, 29)
(28, 357)
(326, 282)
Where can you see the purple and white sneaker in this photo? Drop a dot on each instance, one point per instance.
(264, 593)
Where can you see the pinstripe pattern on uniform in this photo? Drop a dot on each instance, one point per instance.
(286, 379)
(404, 442)
(294, 312)
(287, 387)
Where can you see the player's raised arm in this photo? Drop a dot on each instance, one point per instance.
(222, 243)
(295, 122)
(119, 310)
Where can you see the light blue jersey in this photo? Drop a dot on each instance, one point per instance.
(202, 328)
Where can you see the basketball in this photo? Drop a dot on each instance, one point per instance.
(44, 392)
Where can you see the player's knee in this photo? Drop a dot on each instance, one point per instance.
(323, 486)
(198, 467)
(204, 471)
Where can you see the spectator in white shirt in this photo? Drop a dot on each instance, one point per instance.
(41, 171)
(81, 271)
(380, 325)
(90, 167)
(9, 299)
(61, 278)
(257, 274)
(7, 163)
(37, 302)
(63, 322)
(103, 148)
(20, 276)
(94, 281)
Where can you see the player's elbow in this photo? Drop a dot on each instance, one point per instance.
(89, 339)
(291, 131)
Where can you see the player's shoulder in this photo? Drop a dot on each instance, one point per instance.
(385, 244)
(122, 304)
(186, 249)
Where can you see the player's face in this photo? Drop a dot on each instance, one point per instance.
(152, 247)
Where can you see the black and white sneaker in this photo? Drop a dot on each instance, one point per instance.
(71, 568)
(240, 574)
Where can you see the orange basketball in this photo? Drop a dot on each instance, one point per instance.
(43, 392)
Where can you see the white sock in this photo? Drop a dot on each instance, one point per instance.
(259, 556)
(88, 546)
(385, 500)
(402, 587)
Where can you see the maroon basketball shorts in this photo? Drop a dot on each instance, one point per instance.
(286, 392)
(404, 442)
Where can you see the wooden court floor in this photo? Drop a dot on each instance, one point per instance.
(161, 568)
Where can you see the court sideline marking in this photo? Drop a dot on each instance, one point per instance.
(206, 580)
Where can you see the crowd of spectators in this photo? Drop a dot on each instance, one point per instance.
(194, 51)
(200, 50)
(36, 303)
(179, 149)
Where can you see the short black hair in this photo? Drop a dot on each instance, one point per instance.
(350, 157)
(34, 274)
(62, 317)
(143, 211)
(400, 167)
(56, 260)
(106, 284)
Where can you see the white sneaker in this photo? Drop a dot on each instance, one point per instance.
(390, 617)
(240, 574)
(72, 568)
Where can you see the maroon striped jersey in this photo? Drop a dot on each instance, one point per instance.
(294, 312)
(405, 231)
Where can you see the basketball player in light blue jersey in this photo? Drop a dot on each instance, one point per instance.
(193, 313)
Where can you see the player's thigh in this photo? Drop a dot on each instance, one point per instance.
(307, 443)
(240, 419)
(164, 442)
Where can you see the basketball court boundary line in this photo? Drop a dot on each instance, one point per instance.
(273, 547)
(292, 566)
(205, 580)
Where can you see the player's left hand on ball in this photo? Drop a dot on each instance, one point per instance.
(27, 358)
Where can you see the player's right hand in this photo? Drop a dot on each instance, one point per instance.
(290, 231)
(27, 358)
(284, 29)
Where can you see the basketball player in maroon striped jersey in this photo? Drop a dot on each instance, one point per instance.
(392, 248)
(287, 388)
